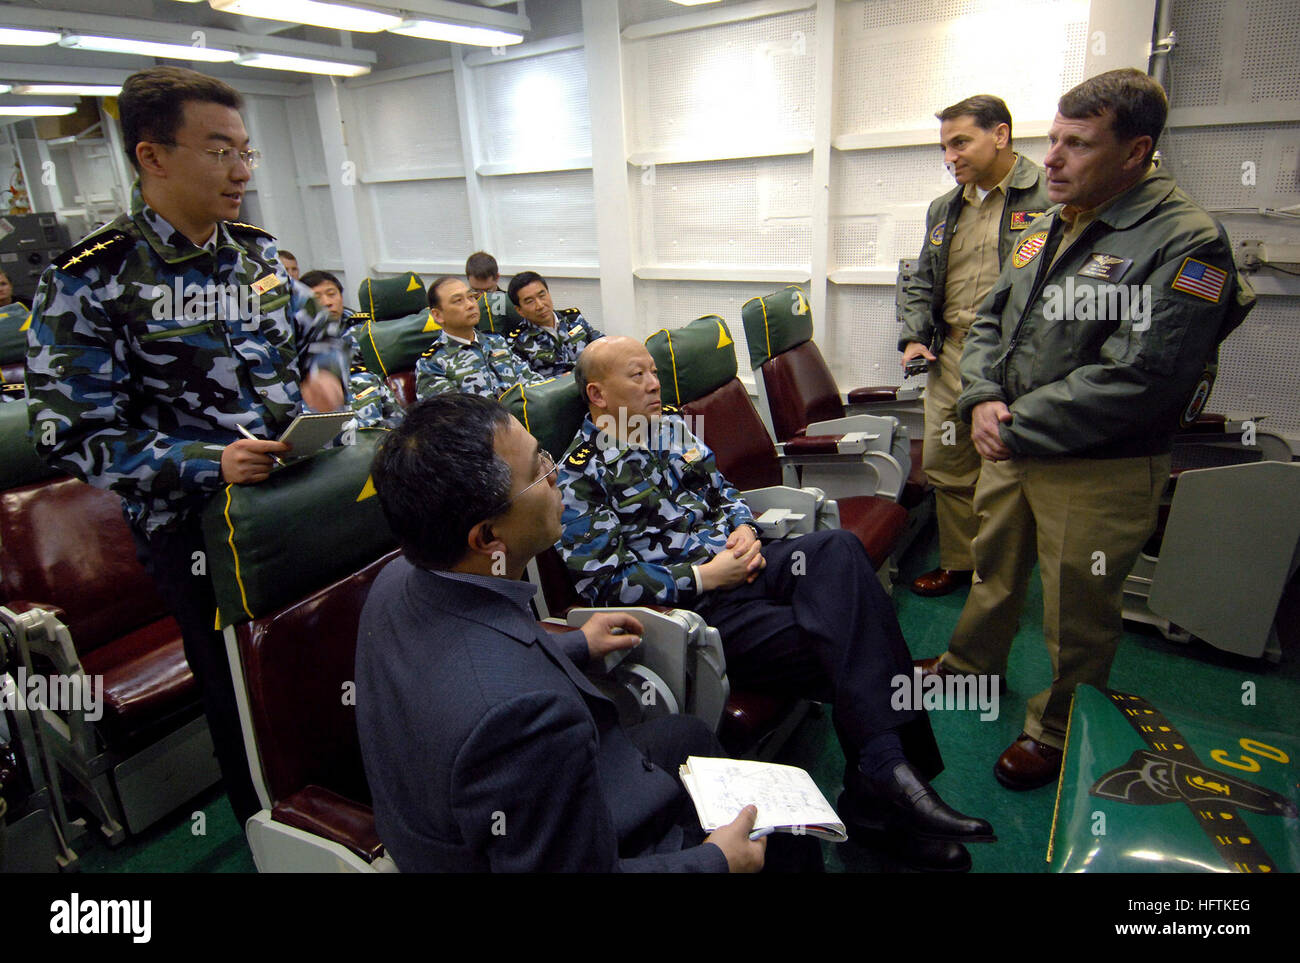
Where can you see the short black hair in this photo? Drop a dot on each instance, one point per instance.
(1137, 104)
(521, 281)
(152, 101)
(286, 253)
(986, 110)
(313, 278)
(435, 300)
(481, 264)
(438, 475)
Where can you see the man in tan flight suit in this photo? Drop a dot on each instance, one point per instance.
(969, 233)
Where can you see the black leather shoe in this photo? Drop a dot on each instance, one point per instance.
(913, 805)
(922, 855)
(940, 582)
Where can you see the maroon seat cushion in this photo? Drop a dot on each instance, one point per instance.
(749, 716)
(297, 662)
(316, 810)
(917, 483)
(65, 543)
(403, 385)
(800, 390)
(731, 427)
(146, 677)
(877, 522)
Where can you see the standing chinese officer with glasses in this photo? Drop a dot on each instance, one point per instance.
(160, 339)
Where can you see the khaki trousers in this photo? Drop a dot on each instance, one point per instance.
(1086, 519)
(950, 461)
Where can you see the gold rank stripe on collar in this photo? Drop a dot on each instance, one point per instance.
(240, 227)
(94, 248)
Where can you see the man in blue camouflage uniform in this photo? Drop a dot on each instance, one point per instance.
(649, 519)
(160, 336)
(369, 395)
(549, 340)
(462, 358)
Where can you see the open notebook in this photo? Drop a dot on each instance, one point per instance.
(787, 798)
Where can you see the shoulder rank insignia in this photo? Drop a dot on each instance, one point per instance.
(429, 351)
(239, 227)
(670, 410)
(95, 248)
(568, 312)
(14, 388)
(581, 455)
(515, 333)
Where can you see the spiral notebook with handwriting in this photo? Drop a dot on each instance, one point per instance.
(788, 800)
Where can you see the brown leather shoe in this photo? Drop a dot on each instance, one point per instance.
(940, 582)
(1028, 764)
(935, 666)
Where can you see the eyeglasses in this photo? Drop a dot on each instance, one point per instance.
(548, 463)
(226, 155)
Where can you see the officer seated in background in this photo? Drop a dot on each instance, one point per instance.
(484, 746)
(649, 519)
(549, 340)
(369, 396)
(328, 291)
(482, 273)
(462, 358)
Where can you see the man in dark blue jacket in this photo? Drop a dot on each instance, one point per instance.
(484, 745)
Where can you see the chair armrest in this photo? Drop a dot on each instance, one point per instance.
(849, 443)
(679, 656)
(781, 510)
(875, 393)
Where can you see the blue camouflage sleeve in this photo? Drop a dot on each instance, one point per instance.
(76, 367)
(605, 570)
(317, 334)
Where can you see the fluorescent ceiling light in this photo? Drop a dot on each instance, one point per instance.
(302, 64)
(693, 3)
(67, 90)
(314, 12)
(34, 110)
(148, 48)
(4, 88)
(457, 33)
(13, 37)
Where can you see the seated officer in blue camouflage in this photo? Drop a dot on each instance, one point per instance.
(328, 292)
(462, 358)
(369, 395)
(160, 336)
(549, 340)
(649, 519)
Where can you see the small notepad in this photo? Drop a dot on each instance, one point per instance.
(788, 800)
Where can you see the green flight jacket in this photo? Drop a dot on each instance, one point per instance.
(1100, 354)
(924, 294)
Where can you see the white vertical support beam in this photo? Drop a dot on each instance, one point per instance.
(466, 111)
(31, 154)
(123, 173)
(823, 118)
(604, 50)
(345, 191)
(53, 192)
(275, 180)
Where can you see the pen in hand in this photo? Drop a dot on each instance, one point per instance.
(248, 434)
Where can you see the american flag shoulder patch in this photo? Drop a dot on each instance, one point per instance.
(1200, 279)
